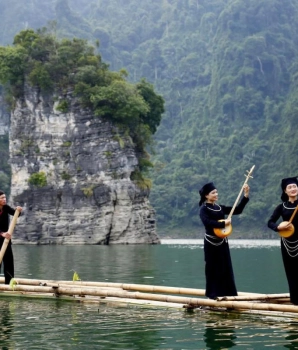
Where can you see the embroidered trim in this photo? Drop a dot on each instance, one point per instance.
(213, 209)
(287, 207)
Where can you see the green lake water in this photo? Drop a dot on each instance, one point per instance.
(55, 324)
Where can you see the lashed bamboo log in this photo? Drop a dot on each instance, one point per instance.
(280, 301)
(196, 302)
(254, 297)
(124, 286)
(10, 231)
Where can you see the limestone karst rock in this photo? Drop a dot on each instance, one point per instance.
(87, 195)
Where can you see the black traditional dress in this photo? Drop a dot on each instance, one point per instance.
(289, 246)
(8, 256)
(218, 265)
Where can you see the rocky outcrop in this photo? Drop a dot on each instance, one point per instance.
(87, 162)
(4, 117)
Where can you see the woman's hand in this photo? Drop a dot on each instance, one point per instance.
(283, 225)
(6, 235)
(246, 190)
(227, 222)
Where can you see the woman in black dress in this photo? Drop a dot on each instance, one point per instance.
(218, 265)
(289, 245)
(5, 211)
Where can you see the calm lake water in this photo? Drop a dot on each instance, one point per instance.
(53, 324)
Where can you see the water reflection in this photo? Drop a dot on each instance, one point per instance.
(6, 324)
(218, 336)
(224, 331)
(292, 337)
(54, 324)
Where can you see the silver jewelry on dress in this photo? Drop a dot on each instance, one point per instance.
(290, 249)
(214, 209)
(287, 207)
(220, 241)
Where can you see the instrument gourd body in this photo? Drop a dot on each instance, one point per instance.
(288, 231)
(223, 232)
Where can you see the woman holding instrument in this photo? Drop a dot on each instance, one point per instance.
(218, 265)
(289, 245)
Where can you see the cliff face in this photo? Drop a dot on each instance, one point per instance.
(89, 197)
(4, 117)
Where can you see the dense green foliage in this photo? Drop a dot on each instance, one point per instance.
(227, 70)
(57, 66)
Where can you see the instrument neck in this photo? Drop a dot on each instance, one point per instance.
(239, 195)
(293, 215)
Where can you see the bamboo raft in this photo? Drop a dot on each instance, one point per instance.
(150, 296)
(145, 295)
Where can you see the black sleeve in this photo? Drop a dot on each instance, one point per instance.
(239, 209)
(241, 205)
(9, 210)
(274, 217)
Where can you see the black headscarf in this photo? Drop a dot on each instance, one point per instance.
(284, 183)
(207, 188)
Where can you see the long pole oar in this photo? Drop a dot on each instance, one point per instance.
(10, 231)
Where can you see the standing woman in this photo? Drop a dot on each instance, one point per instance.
(218, 264)
(5, 211)
(289, 246)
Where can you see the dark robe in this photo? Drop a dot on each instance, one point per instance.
(289, 246)
(8, 256)
(218, 265)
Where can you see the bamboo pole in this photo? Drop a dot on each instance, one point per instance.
(242, 296)
(281, 301)
(10, 231)
(255, 297)
(191, 302)
(124, 286)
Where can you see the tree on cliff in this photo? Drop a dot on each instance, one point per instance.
(55, 66)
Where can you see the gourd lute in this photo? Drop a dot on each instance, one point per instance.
(289, 230)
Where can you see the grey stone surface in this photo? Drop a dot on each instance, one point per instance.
(89, 197)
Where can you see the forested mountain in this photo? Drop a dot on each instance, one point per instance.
(227, 70)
